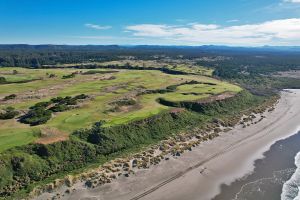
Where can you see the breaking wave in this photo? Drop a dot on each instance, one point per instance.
(291, 188)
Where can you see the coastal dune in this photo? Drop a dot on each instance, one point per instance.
(198, 174)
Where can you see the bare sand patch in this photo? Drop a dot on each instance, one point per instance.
(51, 135)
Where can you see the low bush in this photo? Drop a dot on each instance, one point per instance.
(52, 75)
(43, 104)
(113, 139)
(9, 113)
(68, 100)
(36, 116)
(98, 72)
(125, 102)
(2, 80)
(9, 97)
(23, 166)
(81, 96)
(59, 108)
(68, 76)
(41, 112)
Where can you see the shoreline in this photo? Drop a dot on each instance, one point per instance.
(201, 172)
(270, 178)
(237, 160)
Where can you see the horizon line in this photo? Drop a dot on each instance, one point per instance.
(133, 45)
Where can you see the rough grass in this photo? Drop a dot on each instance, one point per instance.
(103, 89)
(174, 65)
(199, 91)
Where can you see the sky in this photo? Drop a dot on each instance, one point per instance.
(151, 22)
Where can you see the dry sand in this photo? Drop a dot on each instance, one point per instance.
(198, 175)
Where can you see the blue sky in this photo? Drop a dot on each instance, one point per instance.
(163, 22)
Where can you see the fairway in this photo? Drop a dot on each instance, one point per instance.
(14, 134)
(108, 91)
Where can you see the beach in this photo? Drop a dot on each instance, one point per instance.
(200, 173)
(276, 176)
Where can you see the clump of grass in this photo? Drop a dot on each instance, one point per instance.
(9, 97)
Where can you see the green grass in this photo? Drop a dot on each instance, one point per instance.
(200, 91)
(150, 108)
(11, 138)
(178, 66)
(14, 134)
(103, 91)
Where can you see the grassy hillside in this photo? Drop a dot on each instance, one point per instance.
(23, 167)
(115, 96)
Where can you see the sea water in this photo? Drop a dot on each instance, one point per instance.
(290, 189)
(275, 177)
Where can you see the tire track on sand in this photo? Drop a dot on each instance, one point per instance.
(213, 156)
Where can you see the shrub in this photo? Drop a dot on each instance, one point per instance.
(81, 96)
(9, 113)
(113, 139)
(57, 100)
(25, 165)
(125, 102)
(97, 72)
(69, 76)
(9, 97)
(40, 113)
(59, 108)
(67, 100)
(36, 116)
(3, 80)
(40, 105)
(52, 76)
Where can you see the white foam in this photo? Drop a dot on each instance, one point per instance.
(291, 188)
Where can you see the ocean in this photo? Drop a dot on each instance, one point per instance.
(275, 177)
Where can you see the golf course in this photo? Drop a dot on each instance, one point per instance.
(114, 96)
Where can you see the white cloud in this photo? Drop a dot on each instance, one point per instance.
(97, 27)
(232, 20)
(276, 32)
(292, 1)
(150, 30)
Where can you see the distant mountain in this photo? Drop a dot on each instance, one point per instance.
(56, 47)
(145, 47)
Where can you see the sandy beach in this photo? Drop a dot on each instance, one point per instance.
(198, 174)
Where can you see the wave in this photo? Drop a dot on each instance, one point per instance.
(291, 188)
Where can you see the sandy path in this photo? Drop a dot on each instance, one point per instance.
(220, 161)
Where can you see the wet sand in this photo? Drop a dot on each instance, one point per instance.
(269, 176)
(200, 173)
